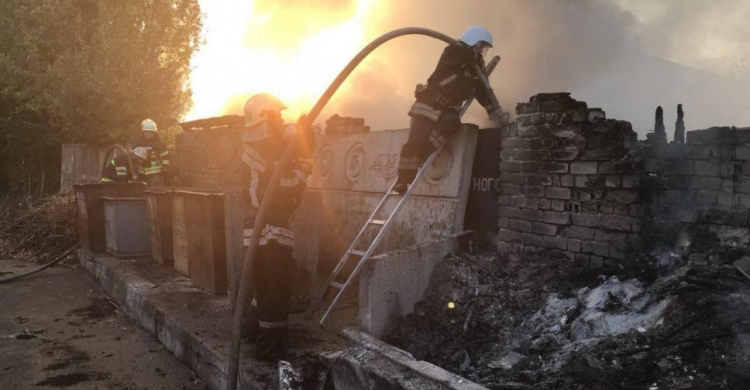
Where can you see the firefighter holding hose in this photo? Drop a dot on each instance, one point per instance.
(435, 113)
(263, 144)
(149, 155)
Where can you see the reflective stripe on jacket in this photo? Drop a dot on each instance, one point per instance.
(259, 162)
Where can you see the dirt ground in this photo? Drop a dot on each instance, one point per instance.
(538, 322)
(59, 330)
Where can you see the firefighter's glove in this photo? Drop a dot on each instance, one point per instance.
(499, 117)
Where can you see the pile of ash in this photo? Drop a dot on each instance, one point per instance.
(538, 322)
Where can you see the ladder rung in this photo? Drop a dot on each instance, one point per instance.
(358, 253)
(377, 222)
(337, 285)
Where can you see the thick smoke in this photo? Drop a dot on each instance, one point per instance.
(597, 49)
(625, 56)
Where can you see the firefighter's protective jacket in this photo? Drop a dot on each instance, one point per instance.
(116, 170)
(259, 160)
(452, 82)
(158, 156)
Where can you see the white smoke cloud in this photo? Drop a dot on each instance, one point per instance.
(626, 56)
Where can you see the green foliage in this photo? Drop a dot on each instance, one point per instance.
(89, 71)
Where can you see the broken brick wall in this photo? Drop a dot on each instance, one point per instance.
(209, 158)
(704, 181)
(580, 184)
(577, 183)
(569, 184)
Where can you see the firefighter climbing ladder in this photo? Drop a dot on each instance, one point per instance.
(383, 225)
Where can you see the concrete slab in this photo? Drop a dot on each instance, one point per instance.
(352, 173)
(369, 363)
(390, 284)
(368, 162)
(195, 325)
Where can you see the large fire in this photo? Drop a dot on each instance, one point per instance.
(293, 51)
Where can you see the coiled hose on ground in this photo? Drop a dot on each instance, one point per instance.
(57, 260)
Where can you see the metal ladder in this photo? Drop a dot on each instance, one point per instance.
(383, 225)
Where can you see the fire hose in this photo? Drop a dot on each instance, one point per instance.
(119, 148)
(41, 268)
(246, 290)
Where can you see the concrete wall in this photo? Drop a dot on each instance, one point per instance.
(352, 173)
(390, 284)
(587, 188)
(369, 363)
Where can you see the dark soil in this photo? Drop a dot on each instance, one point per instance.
(65, 380)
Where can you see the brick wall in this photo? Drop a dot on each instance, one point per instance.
(569, 184)
(705, 181)
(209, 158)
(582, 185)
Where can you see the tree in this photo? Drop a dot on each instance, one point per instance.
(88, 71)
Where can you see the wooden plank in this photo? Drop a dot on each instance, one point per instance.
(179, 236)
(234, 213)
(206, 242)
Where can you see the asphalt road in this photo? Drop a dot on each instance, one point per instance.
(58, 329)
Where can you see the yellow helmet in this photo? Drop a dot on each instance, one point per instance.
(149, 125)
(258, 106)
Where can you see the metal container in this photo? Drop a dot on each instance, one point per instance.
(91, 210)
(126, 227)
(198, 223)
(159, 206)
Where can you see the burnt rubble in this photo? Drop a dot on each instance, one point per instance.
(539, 322)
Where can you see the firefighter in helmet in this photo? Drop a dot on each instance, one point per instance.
(435, 113)
(156, 169)
(263, 144)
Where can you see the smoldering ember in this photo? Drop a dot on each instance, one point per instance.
(194, 220)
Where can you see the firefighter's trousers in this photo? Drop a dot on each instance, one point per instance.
(269, 311)
(425, 136)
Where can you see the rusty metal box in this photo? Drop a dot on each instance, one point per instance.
(91, 210)
(199, 238)
(159, 206)
(126, 227)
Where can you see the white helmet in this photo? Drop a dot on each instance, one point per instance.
(258, 106)
(149, 125)
(476, 34)
(141, 153)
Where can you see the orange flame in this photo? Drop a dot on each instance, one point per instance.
(293, 53)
